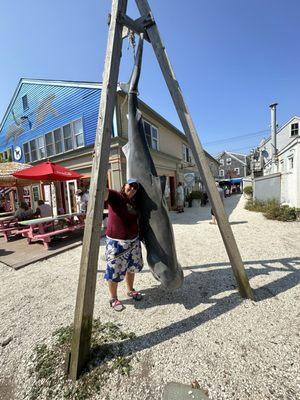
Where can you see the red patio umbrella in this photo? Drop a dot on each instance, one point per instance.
(47, 171)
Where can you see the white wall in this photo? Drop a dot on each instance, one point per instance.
(267, 187)
(290, 178)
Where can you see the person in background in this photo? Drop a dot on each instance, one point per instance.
(123, 248)
(2, 207)
(23, 212)
(221, 193)
(61, 211)
(43, 210)
(82, 199)
(204, 199)
(180, 198)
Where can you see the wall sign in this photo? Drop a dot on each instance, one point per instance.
(17, 153)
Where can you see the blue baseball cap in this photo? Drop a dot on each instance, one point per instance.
(132, 180)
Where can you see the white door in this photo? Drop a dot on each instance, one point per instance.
(71, 197)
(35, 196)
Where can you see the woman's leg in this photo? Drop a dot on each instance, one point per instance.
(113, 287)
(129, 278)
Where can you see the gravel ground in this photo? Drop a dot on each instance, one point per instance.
(236, 349)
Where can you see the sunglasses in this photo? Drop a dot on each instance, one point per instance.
(134, 186)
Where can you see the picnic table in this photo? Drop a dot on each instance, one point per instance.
(9, 226)
(6, 214)
(45, 229)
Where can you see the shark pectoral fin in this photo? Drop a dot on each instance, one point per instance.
(125, 149)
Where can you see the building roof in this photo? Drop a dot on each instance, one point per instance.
(236, 156)
(88, 85)
(279, 129)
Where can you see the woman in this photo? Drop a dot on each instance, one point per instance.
(23, 212)
(123, 248)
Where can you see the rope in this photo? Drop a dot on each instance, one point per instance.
(131, 42)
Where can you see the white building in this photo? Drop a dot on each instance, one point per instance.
(280, 159)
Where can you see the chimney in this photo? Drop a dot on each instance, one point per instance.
(273, 134)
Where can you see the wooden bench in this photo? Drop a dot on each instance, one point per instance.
(12, 231)
(47, 236)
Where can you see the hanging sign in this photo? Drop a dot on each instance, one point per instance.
(17, 153)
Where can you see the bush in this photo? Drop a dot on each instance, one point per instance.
(281, 213)
(272, 210)
(196, 195)
(248, 190)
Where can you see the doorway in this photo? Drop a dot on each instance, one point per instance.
(71, 197)
(172, 191)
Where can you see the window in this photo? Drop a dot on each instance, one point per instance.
(26, 152)
(49, 144)
(186, 154)
(228, 161)
(294, 129)
(282, 166)
(151, 133)
(222, 161)
(237, 171)
(291, 163)
(35, 192)
(25, 102)
(221, 172)
(33, 152)
(154, 138)
(78, 132)
(41, 147)
(58, 141)
(68, 140)
(6, 155)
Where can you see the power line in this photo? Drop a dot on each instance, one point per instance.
(234, 138)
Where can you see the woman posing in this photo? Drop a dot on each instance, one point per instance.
(123, 247)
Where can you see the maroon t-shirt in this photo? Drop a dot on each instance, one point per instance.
(122, 218)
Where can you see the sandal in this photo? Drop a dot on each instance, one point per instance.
(116, 304)
(135, 295)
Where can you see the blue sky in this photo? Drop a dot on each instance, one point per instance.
(232, 58)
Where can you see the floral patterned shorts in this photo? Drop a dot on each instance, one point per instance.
(122, 256)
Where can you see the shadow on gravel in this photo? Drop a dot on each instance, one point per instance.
(194, 215)
(200, 287)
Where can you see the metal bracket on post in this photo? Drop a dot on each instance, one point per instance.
(138, 25)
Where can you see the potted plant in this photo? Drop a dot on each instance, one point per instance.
(248, 192)
(196, 198)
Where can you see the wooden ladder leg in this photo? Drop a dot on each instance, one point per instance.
(198, 152)
(81, 338)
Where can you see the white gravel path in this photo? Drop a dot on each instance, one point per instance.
(235, 349)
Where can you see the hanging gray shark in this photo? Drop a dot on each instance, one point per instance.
(156, 230)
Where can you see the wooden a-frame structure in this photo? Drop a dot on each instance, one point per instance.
(119, 26)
